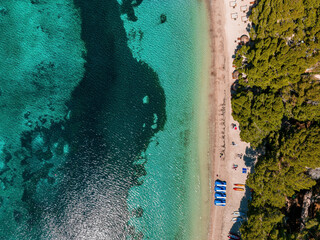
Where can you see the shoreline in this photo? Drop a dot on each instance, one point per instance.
(200, 226)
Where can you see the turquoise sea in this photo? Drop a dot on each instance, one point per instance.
(170, 191)
(99, 108)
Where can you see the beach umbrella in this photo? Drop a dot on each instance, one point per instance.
(234, 86)
(235, 74)
(244, 39)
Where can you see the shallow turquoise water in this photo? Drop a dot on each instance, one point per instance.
(171, 159)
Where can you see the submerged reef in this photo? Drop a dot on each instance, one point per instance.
(29, 179)
(41, 62)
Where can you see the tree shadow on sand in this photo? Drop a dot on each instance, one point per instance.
(250, 157)
(243, 208)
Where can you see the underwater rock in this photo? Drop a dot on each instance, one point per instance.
(44, 154)
(138, 212)
(51, 180)
(8, 155)
(35, 1)
(21, 154)
(2, 185)
(145, 100)
(26, 115)
(66, 149)
(155, 120)
(17, 216)
(3, 168)
(163, 18)
(3, 11)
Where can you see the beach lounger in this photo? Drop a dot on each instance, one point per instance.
(234, 16)
(238, 189)
(232, 4)
(237, 219)
(244, 8)
(238, 213)
(244, 19)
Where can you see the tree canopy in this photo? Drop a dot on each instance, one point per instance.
(302, 149)
(258, 114)
(286, 42)
(302, 99)
(277, 104)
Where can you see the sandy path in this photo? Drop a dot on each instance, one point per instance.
(224, 32)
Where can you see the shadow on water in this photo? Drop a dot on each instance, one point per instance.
(105, 131)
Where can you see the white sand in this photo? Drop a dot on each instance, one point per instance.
(224, 34)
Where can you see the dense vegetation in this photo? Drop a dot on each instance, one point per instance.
(277, 104)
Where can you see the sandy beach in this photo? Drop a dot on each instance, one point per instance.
(226, 148)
